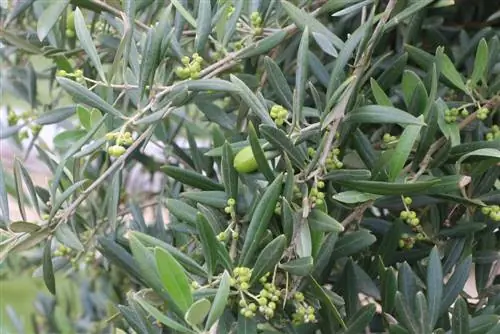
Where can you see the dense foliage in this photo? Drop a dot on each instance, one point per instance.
(328, 166)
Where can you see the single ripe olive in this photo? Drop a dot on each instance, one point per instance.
(244, 161)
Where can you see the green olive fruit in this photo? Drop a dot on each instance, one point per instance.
(70, 22)
(244, 161)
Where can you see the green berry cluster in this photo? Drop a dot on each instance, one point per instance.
(192, 67)
(229, 11)
(409, 216)
(406, 241)
(12, 118)
(222, 236)
(494, 134)
(332, 161)
(195, 286)
(296, 192)
(256, 20)
(316, 196)
(304, 313)
(241, 278)
(492, 211)
(77, 75)
(120, 139)
(451, 115)
(279, 114)
(230, 208)
(70, 25)
(63, 251)
(247, 309)
(268, 297)
(388, 138)
(482, 113)
(277, 209)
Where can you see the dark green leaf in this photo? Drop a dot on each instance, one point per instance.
(48, 271)
(83, 95)
(86, 42)
(359, 320)
(220, 300)
(460, 317)
(455, 284)
(203, 25)
(252, 101)
(434, 286)
(174, 279)
(258, 153)
(480, 63)
(352, 243)
(301, 74)
(269, 257)
(229, 174)
(260, 219)
(299, 267)
(191, 178)
(209, 243)
(321, 221)
(49, 18)
(381, 114)
(280, 141)
(388, 188)
(164, 319)
(278, 82)
(263, 46)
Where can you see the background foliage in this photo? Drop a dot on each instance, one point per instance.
(327, 166)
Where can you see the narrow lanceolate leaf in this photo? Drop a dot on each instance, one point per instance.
(268, 258)
(279, 139)
(181, 210)
(301, 77)
(381, 114)
(359, 320)
(191, 178)
(379, 94)
(48, 270)
(352, 243)
(24, 175)
(299, 267)
(456, 283)
(252, 101)
(388, 188)
(174, 279)
(258, 153)
(59, 200)
(260, 220)
(209, 242)
(4, 201)
(86, 42)
(220, 301)
(164, 319)
(403, 150)
(229, 174)
(460, 318)
(203, 23)
(263, 46)
(434, 286)
(49, 18)
(65, 235)
(83, 95)
(23, 227)
(451, 73)
(320, 221)
(184, 12)
(406, 316)
(303, 19)
(480, 63)
(278, 82)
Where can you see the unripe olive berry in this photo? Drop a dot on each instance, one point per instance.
(244, 161)
(116, 150)
(70, 21)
